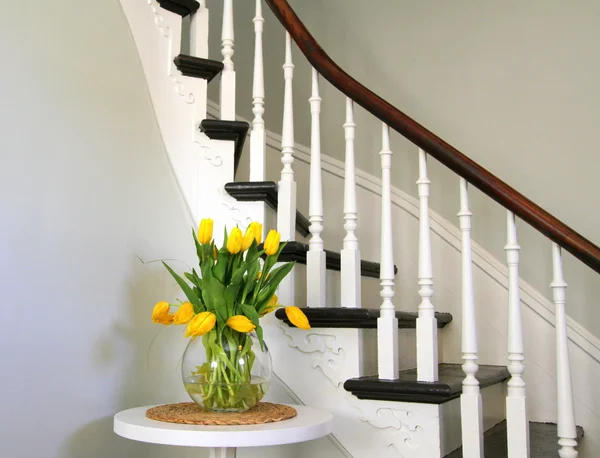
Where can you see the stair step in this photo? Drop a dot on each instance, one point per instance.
(542, 436)
(296, 251)
(181, 7)
(264, 191)
(408, 389)
(197, 67)
(236, 131)
(340, 317)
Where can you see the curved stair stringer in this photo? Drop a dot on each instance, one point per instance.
(322, 360)
(201, 166)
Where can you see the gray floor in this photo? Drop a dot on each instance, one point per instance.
(542, 437)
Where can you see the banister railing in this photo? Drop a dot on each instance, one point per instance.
(471, 174)
(564, 236)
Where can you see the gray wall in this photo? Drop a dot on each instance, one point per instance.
(511, 84)
(86, 191)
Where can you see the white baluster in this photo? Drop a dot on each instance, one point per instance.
(257, 136)
(516, 400)
(286, 213)
(470, 400)
(567, 432)
(427, 344)
(199, 32)
(315, 259)
(350, 276)
(227, 98)
(387, 323)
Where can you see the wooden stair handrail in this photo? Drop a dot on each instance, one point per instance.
(580, 247)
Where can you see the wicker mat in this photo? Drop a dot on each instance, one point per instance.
(189, 413)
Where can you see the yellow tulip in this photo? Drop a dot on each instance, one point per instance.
(184, 314)
(248, 239)
(205, 231)
(201, 324)
(272, 243)
(234, 241)
(268, 309)
(161, 315)
(271, 306)
(257, 230)
(240, 323)
(297, 317)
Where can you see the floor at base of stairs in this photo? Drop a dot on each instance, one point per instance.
(542, 437)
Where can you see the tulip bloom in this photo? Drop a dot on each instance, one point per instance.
(297, 317)
(161, 315)
(205, 231)
(201, 324)
(272, 243)
(248, 239)
(257, 230)
(184, 314)
(234, 241)
(240, 323)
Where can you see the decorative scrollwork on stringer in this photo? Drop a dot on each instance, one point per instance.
(404, 433)
(329, 355)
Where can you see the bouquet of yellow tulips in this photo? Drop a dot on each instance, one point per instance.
(226, 298)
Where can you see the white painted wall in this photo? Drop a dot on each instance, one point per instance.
(85, 192)
(510, 84)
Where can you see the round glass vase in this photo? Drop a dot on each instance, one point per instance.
(226, 370)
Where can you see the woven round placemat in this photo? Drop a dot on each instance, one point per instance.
(188, 413)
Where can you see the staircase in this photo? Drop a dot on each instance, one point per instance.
(388, 400)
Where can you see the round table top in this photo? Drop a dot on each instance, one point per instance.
(309, 424)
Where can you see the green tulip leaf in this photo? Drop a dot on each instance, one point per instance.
(189, 293)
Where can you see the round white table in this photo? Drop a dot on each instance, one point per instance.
(309, 424)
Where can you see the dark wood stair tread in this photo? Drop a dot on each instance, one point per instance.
(542, 437)
(296, 251)
(264, 191)
(181, 7)
(341, 317)
(198, 67)
(407, 389)
(236, 131)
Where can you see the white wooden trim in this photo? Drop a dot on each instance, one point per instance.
(228, 79)
(387, 323)
(516, 401)
(315, 258)
(470, 399)
(258, 156)
(567, 431)
(450, 233)
(427, 332)
(350, 255)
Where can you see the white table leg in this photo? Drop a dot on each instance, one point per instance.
(222, 452)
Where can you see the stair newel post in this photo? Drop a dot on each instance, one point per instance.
(350, 256)
(387, 323)
(567, 431)
(227, 90)
(516, 400)
(315, 258)
(427, 343)
(286, 214)
(257, 136)
(470, 400)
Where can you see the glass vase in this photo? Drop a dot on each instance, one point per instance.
(226, 371)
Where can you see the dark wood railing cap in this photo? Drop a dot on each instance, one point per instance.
(489, 184)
